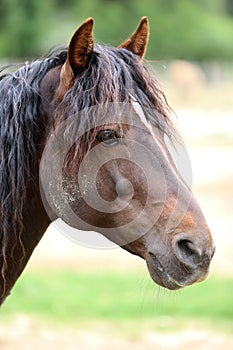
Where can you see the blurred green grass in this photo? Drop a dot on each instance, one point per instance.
(61, 296)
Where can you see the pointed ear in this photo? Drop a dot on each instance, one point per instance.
(137, 43)
(80, 47)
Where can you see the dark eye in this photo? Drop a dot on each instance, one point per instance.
(108, 137)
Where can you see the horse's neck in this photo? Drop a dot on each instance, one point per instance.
(35, 222)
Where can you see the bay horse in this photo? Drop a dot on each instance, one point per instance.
(148, 209)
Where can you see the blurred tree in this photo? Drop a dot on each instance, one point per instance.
(230, 7)
(22, 26)
(198, 30)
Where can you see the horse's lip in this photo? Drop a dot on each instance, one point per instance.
(159, 275)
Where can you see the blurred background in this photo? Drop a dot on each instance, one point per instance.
(73, 297)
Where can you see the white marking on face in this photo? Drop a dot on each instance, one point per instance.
(139, 111)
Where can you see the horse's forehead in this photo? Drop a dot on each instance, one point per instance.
(139, 112)
(143, 123)
(156, 137)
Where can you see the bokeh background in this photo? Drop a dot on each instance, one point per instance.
(73, 297)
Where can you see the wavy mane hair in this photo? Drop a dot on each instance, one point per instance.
(19, 132)
(112, 75)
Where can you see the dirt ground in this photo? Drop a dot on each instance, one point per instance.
(26, 334)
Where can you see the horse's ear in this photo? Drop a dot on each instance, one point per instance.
(137, 43)
(80, 47)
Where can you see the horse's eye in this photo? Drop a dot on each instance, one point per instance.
(108, 137)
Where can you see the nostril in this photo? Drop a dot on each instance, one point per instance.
(186, 247)
(187, 253)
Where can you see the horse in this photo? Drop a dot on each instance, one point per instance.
(118, 109)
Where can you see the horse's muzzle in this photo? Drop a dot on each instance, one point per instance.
(187, 263)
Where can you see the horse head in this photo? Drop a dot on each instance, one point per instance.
(106, 166)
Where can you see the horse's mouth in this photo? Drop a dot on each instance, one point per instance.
(159, 275)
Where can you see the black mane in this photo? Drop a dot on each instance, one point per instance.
(115, 75)
(112, 75)
(19, 102)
